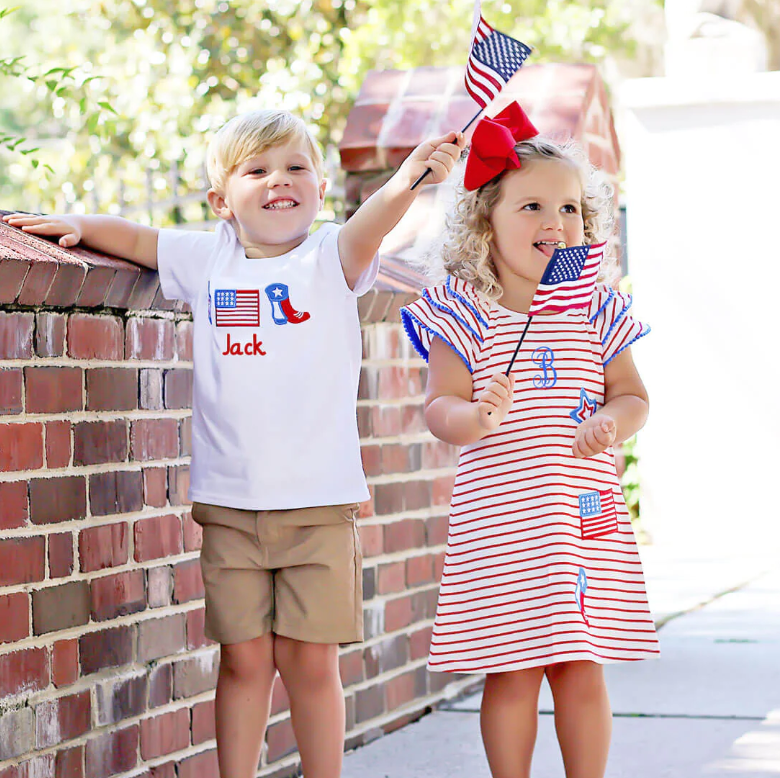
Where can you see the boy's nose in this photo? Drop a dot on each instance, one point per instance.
(279, 178)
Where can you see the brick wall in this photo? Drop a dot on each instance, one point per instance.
(104, 668)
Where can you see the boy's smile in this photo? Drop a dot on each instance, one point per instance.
(272, 199)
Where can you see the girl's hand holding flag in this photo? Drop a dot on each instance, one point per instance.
(594, 435)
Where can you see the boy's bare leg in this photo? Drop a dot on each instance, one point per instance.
(243, 702)
(583, 719)
(310, 672)
(508, 720)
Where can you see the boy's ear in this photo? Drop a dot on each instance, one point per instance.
(219, 205)
(323, 187)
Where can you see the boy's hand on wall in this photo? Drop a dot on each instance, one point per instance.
(438, 154)
(594, 435)
(495, 400)
(68, 231)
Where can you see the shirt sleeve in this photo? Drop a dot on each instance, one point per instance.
(329, 250)
(616, 328)
(439, 313)
(184, 259)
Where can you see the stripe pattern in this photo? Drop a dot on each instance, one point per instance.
(493, 60)
(516, 552)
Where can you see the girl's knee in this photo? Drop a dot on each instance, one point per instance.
(584, 677)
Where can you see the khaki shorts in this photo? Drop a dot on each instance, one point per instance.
(296, 573)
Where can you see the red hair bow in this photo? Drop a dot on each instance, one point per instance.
(493, 145)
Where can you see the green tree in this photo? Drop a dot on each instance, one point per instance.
(175, 72)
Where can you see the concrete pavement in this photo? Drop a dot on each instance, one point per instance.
(709, 708)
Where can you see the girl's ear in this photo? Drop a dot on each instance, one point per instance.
(219, 205)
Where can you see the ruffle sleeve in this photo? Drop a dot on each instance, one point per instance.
(615, 327)
(452, 311)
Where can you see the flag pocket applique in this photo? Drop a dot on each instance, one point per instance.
(598, 515)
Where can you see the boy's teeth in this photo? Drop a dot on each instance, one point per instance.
(278, 205)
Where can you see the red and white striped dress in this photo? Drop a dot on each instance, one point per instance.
(541, 564)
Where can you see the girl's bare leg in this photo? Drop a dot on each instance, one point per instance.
(508, 721)
(243, 702)
(583, 718)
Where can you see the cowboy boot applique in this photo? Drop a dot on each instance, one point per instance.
(282, 311)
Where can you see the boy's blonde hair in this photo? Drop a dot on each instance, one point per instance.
(466, 249)
(252, 133)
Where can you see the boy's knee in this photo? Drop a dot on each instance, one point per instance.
(311, 663)
(250, 660)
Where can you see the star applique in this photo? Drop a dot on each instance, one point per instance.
(585, 409)
(277, 292)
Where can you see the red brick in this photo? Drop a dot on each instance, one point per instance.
(419, 570)
(149, 339)
(413, 419)
(391, 578)
(69, 763)
(21, 447)
(161, 637)
(154, 439)
(187, 582)
(150, 389)
(195, 675)
(14, 617)
(185, 437)
(54, 500)
(193, 533)
(398, 614)
(371, 539)
(60, 554)
(160, 686)
(115, 492)
(58, 445)
(372, 460)
(155, 486)
(203, 765)
(13, 504)
(178, 484)
(420, 643)
(159, 586)
(386, 421)
(417, 495)
(442, 490)
(388, 498)
(165, 734)
(106, 648)
(98, 442)
(22, 560)
(24, 671)
(121, 698)
(399, 691)
(50, 329)
(196, 621)
(60, 607)
(369, 703)
(10, 391)
(112, 389)
(395, 458)
(364, 420)
(16, 335)
(203, 722)
(280, 739)
(95, 286)
(65, 662)
(184, 341)
(144, 292)
(178, 388)
(117, 595)
(95, 337)
(403, 535)
(438, 566)
(53, 389)
(112, 753)
(101, 547)
(37, 283)
(37, 766)
(62, 719)
(12, 275)
(351, 668)
(159, 536)
(436, 529)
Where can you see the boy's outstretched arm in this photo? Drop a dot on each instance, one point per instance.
(109, 234)
(360, 237)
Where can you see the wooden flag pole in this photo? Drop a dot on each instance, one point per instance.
(428, 170)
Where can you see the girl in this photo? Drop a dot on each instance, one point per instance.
(542, 576)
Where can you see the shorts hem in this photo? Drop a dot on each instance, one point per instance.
(341, 639)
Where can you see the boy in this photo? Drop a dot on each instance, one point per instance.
(276, 472)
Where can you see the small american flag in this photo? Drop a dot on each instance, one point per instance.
(569, 279)
(598, 514)
(493, 60)
(237, 307)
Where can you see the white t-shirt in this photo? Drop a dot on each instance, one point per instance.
(276, 353)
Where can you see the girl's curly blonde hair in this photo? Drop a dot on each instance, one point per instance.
(466, 249)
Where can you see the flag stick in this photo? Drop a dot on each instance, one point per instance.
(517, 349)
(428, 170)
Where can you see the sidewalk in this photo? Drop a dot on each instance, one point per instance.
(709, 707)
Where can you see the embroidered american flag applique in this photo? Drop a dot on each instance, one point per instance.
(237, 307)
(598, 514)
